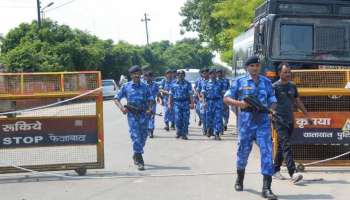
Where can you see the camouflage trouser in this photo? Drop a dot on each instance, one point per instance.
(198, 110)
(203, 109)
(168, 114)
(182, 117)
(152, 118)
(226, 114)
(138, 124)
(213, 116)
(255, 126)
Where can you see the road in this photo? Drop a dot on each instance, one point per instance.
(196, 169)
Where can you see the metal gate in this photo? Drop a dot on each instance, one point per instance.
(51, 121)
(326, 95)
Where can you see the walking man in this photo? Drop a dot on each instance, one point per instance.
(196, 95)
(154, 90)
(253, 126)
(198, 89)
(164, 89)
(138, 110)
(287, 97)
(182, 100)
(226, 85)
(212, 92)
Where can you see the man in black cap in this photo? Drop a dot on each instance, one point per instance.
(154, 89)
(174, 77)
(226, 85)
(138, 98)
(197, 90)
(253, 125)
(182, 100)
(212, 93)
(164, 89)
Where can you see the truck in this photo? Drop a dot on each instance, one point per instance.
(314, 38)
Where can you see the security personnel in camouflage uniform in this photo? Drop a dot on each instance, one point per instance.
(253, 126)
(226, 84)
(164, 89)
(182, 100)
(154, 89)
(139, 97)
(212, 92)
(202, 107)
(196, 97)
(197, 90)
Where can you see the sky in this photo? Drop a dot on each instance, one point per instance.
(107, 19)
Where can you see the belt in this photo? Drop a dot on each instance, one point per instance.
(215, 98)
(179, 99)
(250, 109)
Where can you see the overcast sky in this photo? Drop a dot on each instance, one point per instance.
(108, 19)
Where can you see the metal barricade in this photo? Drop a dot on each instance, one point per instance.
(326, 95)
(57, 125)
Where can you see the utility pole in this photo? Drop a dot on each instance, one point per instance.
(42, 11)
(39, 17)
(146, 19)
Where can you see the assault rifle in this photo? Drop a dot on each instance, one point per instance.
(257, 106)
(137, 111)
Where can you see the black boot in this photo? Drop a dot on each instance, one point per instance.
(200, 123)
(210, 132)
(217, 137)
(172, 126)
(138, 161)
(166, 127)
(135, 159)
(151, 133)
(239, 180)
(266, 191)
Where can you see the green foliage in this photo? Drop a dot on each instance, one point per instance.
(59, 48)
(219, 21)
(51, 48)
(188, 54)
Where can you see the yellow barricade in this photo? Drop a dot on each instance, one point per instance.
(51, 121)
(326, 95)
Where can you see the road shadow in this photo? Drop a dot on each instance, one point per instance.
(156, 136)
(328, 170)
(91, 175)
(223, 139)
(296, 196)
(306, 196)
(43, 178)
(227, 137)
(253, 192)
(152, 167)
(322, 181)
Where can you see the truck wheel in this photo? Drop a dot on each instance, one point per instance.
(81, 171)
(301, 167)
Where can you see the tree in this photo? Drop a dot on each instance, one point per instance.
(59, 48)
(51, 48)
(188, 53)
(219, 21)
(198, 18)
